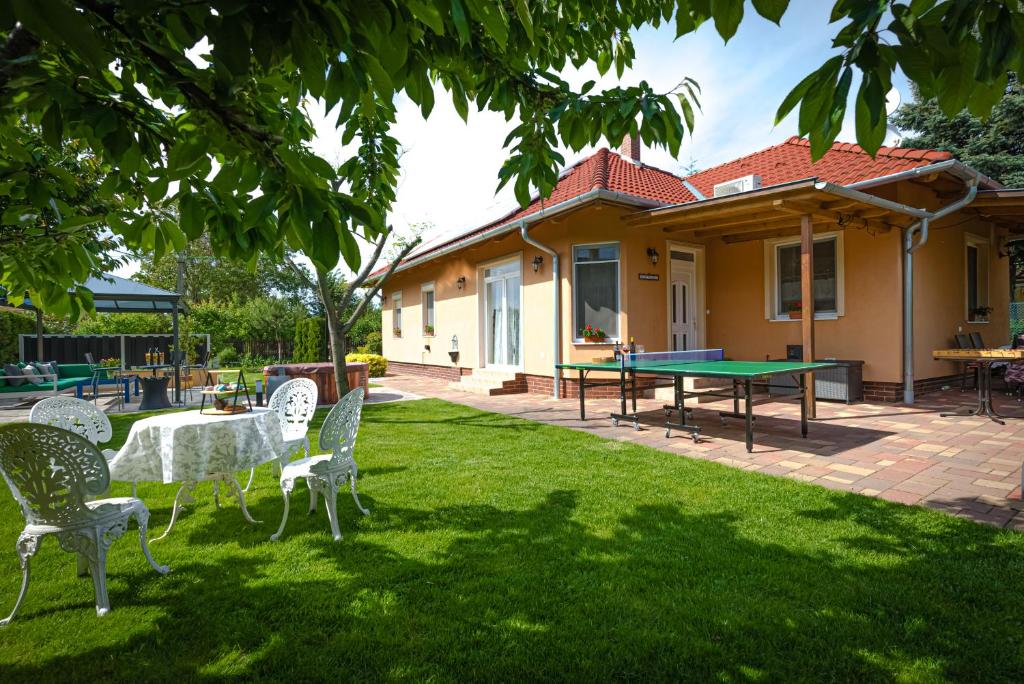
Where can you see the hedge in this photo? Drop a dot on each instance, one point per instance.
(309, 342)
(12, 325)
(377, 363)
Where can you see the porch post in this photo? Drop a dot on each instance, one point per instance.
(807, 304)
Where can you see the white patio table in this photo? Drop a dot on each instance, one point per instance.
(188, 447)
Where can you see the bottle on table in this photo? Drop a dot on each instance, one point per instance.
(632, 345)
(148, 357)
(161, 358)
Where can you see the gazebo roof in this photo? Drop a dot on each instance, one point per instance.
(113, 294)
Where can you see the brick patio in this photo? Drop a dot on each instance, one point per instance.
(969, 467)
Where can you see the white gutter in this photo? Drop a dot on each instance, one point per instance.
(955, 167)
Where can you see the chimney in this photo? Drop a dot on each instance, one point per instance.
(630, 148)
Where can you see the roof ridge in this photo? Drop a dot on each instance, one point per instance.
(885, 150)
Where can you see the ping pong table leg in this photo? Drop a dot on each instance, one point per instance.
(803, 405)
(735, 396)
(632, 376)
(748, 415)
(583, 407)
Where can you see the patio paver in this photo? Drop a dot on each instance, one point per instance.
(962, 466)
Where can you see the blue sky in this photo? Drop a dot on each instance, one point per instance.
(450, 167)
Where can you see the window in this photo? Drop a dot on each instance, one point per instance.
(596, 287)
(976, 272)
(783, 267)
(396, 315)
(427, 310)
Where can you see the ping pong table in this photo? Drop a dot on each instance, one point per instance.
(744, 376)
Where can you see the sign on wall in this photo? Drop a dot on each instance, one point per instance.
(650, 276)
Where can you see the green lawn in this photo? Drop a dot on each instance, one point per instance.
(499, 549)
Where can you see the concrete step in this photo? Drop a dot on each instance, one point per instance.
(489, 382)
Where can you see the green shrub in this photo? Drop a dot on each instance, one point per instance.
(374, 343)
(227, 356)
(11, 325)
(309, 342)
(377, 363)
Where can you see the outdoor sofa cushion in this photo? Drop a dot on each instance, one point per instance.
(66, 384)
(14, 375)
(74, 370)
(3, 378)
(31, 374)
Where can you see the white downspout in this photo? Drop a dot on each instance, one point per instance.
(555, 283)
(909, 247)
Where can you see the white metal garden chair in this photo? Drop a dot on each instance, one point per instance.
(52, 472)
(327, 473)
(294, 402)
(78, 416)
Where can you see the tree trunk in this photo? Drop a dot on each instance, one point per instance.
(335, 334)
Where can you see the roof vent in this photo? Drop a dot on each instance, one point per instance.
(737, 185)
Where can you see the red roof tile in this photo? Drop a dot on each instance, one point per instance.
(789, 161)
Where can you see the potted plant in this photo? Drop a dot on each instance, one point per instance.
(979, 314)
(398, 332)
(109, 363)
(428, 330)
(796, 311)
(593, 334)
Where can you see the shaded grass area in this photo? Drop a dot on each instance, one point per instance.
(502, 549)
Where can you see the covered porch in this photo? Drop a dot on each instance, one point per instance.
(886, 311)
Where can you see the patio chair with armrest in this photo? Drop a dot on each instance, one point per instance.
(325, 474)
(52, 472)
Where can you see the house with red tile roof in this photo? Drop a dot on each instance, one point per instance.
(902, 251)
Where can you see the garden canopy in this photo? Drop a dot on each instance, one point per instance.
(112, 294)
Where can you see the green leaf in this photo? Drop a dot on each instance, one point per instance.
(55, 20)
(53, 126)
(870, 123)
(191, 216)
(428, 13)
(523, 12)
(727, 15)
(231, 48)
(772, 10)
(186, 154)
(461, 22)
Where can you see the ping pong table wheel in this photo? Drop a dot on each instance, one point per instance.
(615, 422)
(636, 425)
(668, 433)
(695, 437)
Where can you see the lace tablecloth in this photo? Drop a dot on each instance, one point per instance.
(178, 447)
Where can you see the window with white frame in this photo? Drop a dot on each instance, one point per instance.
(596, 288)
(427, 308)
(396, 314)
(784, 293)
(976, 277)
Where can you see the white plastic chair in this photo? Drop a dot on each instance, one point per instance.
(294, 402)
(327, 473)
(51, 472)
(78, 416)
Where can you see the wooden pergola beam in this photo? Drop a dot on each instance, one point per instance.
(862, 219)
(776, 224)
(807, 306)
(739, 219)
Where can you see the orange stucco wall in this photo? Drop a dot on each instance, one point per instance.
(734, 285)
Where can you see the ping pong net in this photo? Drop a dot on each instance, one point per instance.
(652, 360)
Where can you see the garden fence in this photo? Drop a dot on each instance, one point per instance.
(131, 349)
(1017, 318)
(280, 350)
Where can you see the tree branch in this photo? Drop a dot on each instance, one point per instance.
(368, 267)
(302, 275)
(380, 281)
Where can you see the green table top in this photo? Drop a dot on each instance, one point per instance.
(709, 369)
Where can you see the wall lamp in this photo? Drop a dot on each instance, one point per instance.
(538, 261)
(460, 282)
(653, 255)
